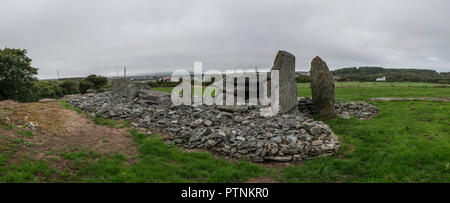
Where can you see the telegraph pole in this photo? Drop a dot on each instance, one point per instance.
(125, 71)
(57, 74)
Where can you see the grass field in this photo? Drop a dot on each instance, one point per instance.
(408, 141)
(380, 84)
(349, 93)
(157, 163)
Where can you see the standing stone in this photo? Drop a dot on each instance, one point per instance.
(131, 92)
(322, 87)
(120, 86)
(285, 63)
(124, 88)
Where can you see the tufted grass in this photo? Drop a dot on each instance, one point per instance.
(408, 141)
(158, 163)
(363, 93)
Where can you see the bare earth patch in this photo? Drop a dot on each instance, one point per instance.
(60, 130)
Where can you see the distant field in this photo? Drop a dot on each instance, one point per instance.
(362, 93)
(380, 84)
(407, 142)
(365, 91)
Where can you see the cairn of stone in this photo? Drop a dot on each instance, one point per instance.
(229, 131)
(232, 131)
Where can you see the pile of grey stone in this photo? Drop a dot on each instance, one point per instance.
(360, 111)
(233, 131)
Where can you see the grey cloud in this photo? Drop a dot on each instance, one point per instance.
(102, 36)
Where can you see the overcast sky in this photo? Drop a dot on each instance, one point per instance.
(82, 37)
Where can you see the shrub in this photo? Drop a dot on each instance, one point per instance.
(342, 79)
(17, 76)
(84, 86)
(69, 87)
(303, 79)
(45, 89)
(97, 81)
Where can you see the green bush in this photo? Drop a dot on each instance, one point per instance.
(17, 76)
(69, 87)
(46, 89)
(84, 86)
(92, 82)
(303, 79)
(97, 81)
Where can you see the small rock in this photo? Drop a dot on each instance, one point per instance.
(316, 142)
(240, 138)
(280, 158)
(277, 139)
(197, 123)
(316, 130)
(207, 123)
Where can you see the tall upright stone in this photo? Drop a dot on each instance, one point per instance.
(322, 87)
(120, 86)
(126, 88)
(285, 64)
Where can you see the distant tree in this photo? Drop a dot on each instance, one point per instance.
(84, 86)
(97, 81)
(69, 87)
(342, 79)
(303, 79)
(17, 76)
(46, 89)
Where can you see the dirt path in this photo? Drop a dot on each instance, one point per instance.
(59, 130)
(409, 99)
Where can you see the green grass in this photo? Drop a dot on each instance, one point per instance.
(362, 93)
(156, 162)
(28, 171)
(106, 122)
(26, 133)
(408, 141)
(380, 90)
(163, 89)
(169, 90)
(7, 126)
(159, 162)
(65, 105)
(380, 84)
(97, 120)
